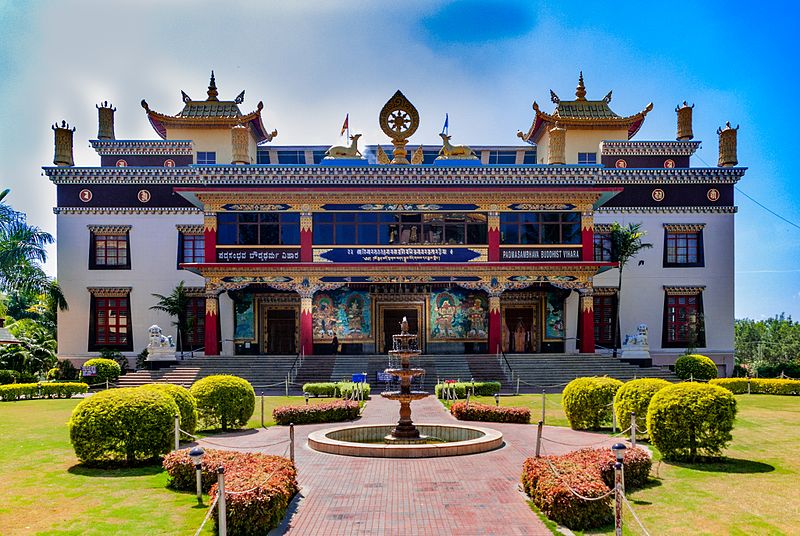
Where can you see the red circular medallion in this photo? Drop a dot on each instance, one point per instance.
(169, 162)
(669, 163)
(658, 195)
(713, 195)
(621, 163)
(122, 163)
(85, 195)
(143, 196)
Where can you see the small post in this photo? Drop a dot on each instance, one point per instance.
(221, 509)
(287, 385)
(619, 453)
(291, 441)
(748, 385)
(691, 377)
(306, 397)
(544, 400)
(467, 399)
(633, 429)
(618, 499)
(613, 419)
(197, 454)
(539, 438)
(262, 409)
(177, 431)
(517, 385)
(106, 385)
(497, 400)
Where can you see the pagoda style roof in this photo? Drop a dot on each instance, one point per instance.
(6, 337)
(210, 113)
(582, 114)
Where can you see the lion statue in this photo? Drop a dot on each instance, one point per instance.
(157, 338)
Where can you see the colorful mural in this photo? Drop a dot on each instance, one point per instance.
(458, 315)
(554, 321)
(244, 328)
(345, 313)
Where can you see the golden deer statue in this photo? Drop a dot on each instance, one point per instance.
(339, 151)
(462, 152)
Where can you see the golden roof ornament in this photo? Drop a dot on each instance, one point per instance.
(350, 152)
(727, 145)
(418, 157)
(684, 122)
(399, 120)
(383, 158)
(212, 89)
(454, 152)
(580, 91)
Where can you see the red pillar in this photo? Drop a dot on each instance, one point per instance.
(212, 325)
(306, 327)
(587, 323)
(587, 235)
(495, 325)
(494, 239)
(210, 238)
(306, 240)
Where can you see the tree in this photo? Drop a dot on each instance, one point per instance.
(176, 305)
(36, 351)
(626, 243)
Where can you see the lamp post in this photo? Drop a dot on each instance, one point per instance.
(306, 396)
(497, 399)
(619, 452)
(196, 454)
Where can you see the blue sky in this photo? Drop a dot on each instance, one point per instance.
(483, 62)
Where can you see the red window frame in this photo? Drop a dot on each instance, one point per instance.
(683, 249)
(605, 307)
(680, 312)
(196, 316)
(109, 252)
(192, 248)
(110, 323)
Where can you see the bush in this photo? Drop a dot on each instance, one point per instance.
(129, 424)
(486, 413)
(117, 357)
(17, 391)
(224, 401)
(634, 396)
(696, 366)
(590, 472)
(26, 377)
(64, 370)
(587, 401)
(320, 389)
(688, 419)
(350, 389)
(461, 388)
(340, 410)
(338, 389)
(107, 369)
(185, 401)
(7, 376)
(272, 481)
(791, 369)
(759, 386)
(62, 389)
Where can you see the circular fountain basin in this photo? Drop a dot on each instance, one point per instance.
(368, 441)
(399, 395)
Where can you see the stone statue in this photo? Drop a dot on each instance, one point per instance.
(157, 338)
(455, 152)
(404, 326)
(636, 346)
(159, 346)
(351, 152)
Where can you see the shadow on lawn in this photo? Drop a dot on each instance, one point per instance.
(116, 470)
(727, 465)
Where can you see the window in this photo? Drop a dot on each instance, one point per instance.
(191, 247)
(196, 316)
(502, 157)
(683, 319)
(318, 156)
(602, 247)
(206, 157)
(262, 156)
(258, 228)
(530, 157)
(291, 157)
(109, 323)
(534, 228)
(587, 158)
(109, 248)
(604, 316)
(683, 246)
(374, 228)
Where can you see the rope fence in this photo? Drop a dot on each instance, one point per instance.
(205, 440)
(208, 516)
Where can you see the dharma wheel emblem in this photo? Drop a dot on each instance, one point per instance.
(658, 195)
(399, 120)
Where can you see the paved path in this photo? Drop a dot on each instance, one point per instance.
(464, 495)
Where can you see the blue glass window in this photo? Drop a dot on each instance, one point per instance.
(502, 157)
(291, 157)
(318, 156)
(206, 157)
(587, 158)
(262, 156)
(530, 157)
(540, 228)
(254, 228)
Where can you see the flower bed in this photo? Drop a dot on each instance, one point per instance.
(16, 391)
(590, 473)
(340, 410)
(759, 386)
(270, 481)
(487, 413)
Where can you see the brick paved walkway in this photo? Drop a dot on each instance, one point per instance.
(464, 495)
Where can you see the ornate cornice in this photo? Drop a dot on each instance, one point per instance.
(194, 229)
(109, 292)
(684, 227)
(677, 290)
(142, 147)
(717, 175)
(605, 291)
(668, 210)
(110, 229)
(649, 148)
(126, 210)
(195, 292)
(602, 227)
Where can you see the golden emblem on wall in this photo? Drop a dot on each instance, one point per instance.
(658, 195)
(399, 120)
(713, 195)
(143, 196)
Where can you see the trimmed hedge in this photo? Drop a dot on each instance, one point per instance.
(340, 410)
(107, 369)
(224, 401)
(271, 479)
(791, 369)
(476, 388)
(634, 396)
(16, 391)
(691, 419)
(696, 366)
(587, 472)
(759, 386)
(128, 424)
(337, 389)
(587, 401)
(487, 413)
(185, 401)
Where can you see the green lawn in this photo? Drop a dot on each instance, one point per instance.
(45, 491)
(553, 416)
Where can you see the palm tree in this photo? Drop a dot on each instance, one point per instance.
(177, 306)
(626, 243)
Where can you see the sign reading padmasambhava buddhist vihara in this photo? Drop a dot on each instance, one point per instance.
(540, 254)
(457, 315)
(345, 313)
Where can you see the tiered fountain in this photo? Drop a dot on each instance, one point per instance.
(405, 440)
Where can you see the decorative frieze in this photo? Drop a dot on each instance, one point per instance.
(190, 229)
(668, 209)
(141, 147)
(126, 210)
(682, 290)
(684, 227)
(649, 148)
(110, 229)
(109, 292)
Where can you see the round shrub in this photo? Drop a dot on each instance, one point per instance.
(695, 366)
(107, 369)
(123, 425)
(634, 396)
(691, 419)
(7, 376)
(185, 401)
(587, 401)
(224, 401)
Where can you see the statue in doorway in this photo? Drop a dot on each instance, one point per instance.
(506, 336)
(520, 336)
(477, 319)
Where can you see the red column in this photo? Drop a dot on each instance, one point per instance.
(587, 323)
(494, 239)
(495, 325)
(587, 235)
(306, 240)
(306, 327)
(210, 238)
(212, 324)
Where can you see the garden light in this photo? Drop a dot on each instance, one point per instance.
(306, 395)
(497, 399)
(196, 454)
(619, 451)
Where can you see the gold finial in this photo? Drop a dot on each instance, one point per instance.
(580, 91)
(418, 157)
(383, 158)
(212, 89)
(727, 145)
(399, 119)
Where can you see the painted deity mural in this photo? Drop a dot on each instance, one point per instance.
(244, 329)
(458, 315)
(554, 321)
(345, 313)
